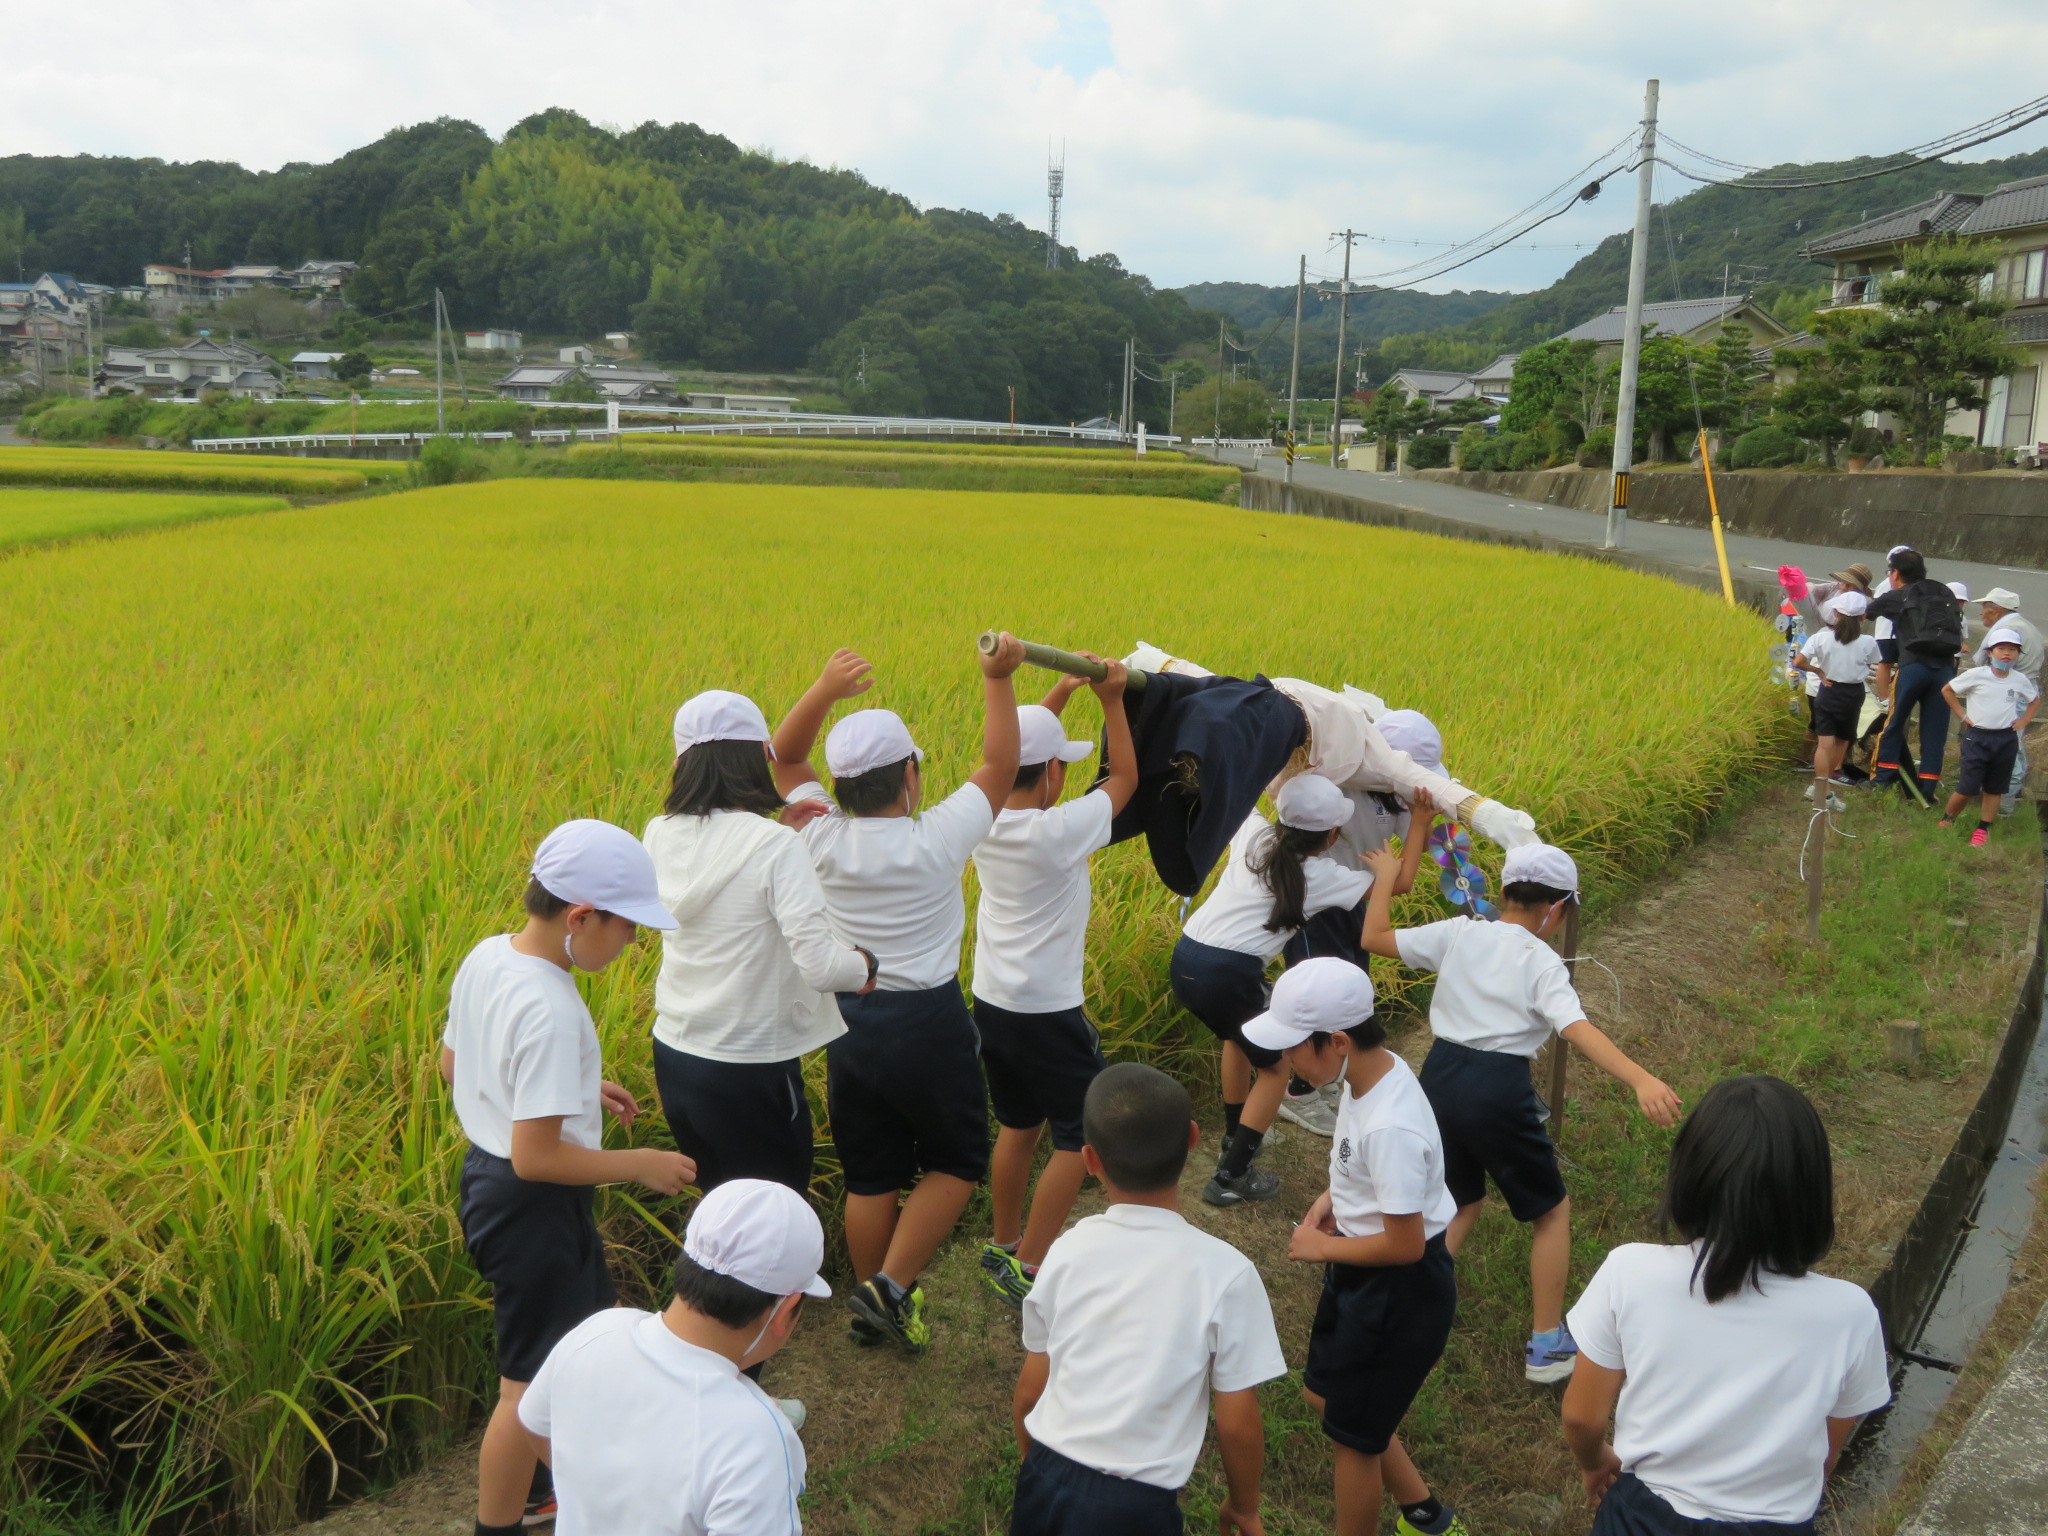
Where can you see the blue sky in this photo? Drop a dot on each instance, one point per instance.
(1204, 139)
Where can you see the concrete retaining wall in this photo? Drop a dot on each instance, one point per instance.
(1995, 519)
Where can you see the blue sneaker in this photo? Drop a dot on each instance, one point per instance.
(1550, 1357)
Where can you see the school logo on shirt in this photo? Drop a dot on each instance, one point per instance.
(1344, 1150)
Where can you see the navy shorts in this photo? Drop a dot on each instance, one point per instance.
(1492, 1124)
(538, 1246)
(738, 1119)
(1632, 1508)
(1988, 760)
(1039, 1068)
(903, 1086)
(1334, 931)
(1058, 1496)
(1225, 989)
(1837, 709)
(1379, 1331)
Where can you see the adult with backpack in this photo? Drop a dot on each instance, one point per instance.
(1927, 631)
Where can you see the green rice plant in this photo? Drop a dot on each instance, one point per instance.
(44, 516)
(115, 469)
(284, 772)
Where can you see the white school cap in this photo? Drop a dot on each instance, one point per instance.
(1540, 864)
(868, 739)
(1961, 590)
(1041, 738)
(2003, 637)
(1311, 803)
(2005, 597)
(719, 716)
(1322, 995)
(1411, 731)
(761, 1234)
(1894, 550)
(1849, 605)
(596, 864)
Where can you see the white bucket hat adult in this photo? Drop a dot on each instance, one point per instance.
(761, 1234)
(1311, 803)
(1319, 996)
(1541, 864)
(1413, 732)
(868, 739)
(593, 863)
(1041, 738)
(717, 715)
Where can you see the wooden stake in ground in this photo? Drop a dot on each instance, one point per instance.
(1817, 848)
(1561, 1048)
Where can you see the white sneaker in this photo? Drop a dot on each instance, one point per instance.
(1835, 802)
(793, 1409)
(1806, 793)
(1312, 1112)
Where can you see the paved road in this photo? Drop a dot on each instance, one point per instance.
(1682, 546)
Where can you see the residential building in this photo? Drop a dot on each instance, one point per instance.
(533, 381)
(1416, 383)
(315, 365)
(188, 370)
(630, 382)
(757, 404)
(493, 340)
(1696, 320)
(172, 289)
(620, 342)
(325, 277)
(576, 355)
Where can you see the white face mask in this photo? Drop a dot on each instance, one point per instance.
(767, 1323)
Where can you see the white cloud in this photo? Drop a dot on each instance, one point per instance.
(1205, 139)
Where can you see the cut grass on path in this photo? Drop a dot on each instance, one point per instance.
(31, 517)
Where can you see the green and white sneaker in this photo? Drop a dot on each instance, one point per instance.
(1006, 1274)
(1448, 1524)
(894, 1312)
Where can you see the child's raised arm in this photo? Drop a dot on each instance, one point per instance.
(997, 774)
(1065, 688)
(1122, 780)
(845, 675)
(1421, 814)
(1377, 936)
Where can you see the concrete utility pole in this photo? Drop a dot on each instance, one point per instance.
(440, 396)
(1216, 442)
(1294, 381)
(1343, 313)
(1632, 325)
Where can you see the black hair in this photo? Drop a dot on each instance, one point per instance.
(1277, 860)
(1136, 1118)
(1532, 893)
(722, 776)
(1029, 776)
(1364, 1035)
(1751, 1181)
(1847, 627)
(728, 1302)
(870, 793)
(542, 902)
(1910, 564)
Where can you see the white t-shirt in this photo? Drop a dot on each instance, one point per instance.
(1143, 1317)
(1994, 703)
(525, 1048)
(652, 1436)
(1840, 663)
(1234, 916)
(1387, 1158)
(892, 883)
(1031, 927)
(1498, 986)
(1724, 1412)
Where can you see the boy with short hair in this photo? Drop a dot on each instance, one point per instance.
(623, 1393)
(1031, 930)
(1501, 992)
(1389, 1287)
(2002, 701)
(521, 1055)
(903, 1085)
(1136, 1323)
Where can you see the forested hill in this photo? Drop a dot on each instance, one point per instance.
(714, 255)
(1264, 318)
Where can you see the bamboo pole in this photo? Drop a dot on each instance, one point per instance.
(1561, 1048)
(1714, 511)
(1053, 659)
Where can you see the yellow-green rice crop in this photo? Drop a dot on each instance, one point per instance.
(948, 445)
(140, 470)
(151, 458)
(40, 516)
(283, 772)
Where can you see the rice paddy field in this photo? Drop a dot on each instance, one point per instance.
(45, 516)
(285, 770)
(141, 469)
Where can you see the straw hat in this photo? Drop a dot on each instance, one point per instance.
(1857, 575)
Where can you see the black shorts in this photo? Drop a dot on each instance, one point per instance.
(1632, 1508)
(738, 1119)
(1334, 931)
(1988, 760)
(1225, 989)
(1039, 1068)
(1379, 1331)
(903, 1086)
(1492, 1124)
(538, 1246)
(1837, 709)
(1058, 1496)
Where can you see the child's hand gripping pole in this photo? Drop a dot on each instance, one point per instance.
(1053, 659)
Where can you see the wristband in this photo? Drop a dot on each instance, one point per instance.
(874, 965)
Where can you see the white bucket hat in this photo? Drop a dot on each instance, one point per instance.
(1411, 731)
(1311, 803)
(1041, 738)
(1540, 864)
(761, 1234)
(868, 739)
(1318, 996)
(719, 716)
(593, 863)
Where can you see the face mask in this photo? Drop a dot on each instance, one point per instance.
(765, 1326)
(569, 949)
(2000, 667)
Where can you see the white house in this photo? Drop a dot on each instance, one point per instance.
(315, 365)
(533, 381)
(620, 342)
(578, 355)
(206, 364)
(493, 341)
(322, 276)
(758, 404)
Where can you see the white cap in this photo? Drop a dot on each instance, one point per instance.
(868, 739)
(1322, 995)
(1961, 590)
(593, 863)
(719, 716)
(2005, 597)
(2003, 637)
(1894, 550)
(1849, 605)
(1041, 738)
(1311, 803)
(1411, 731)
(1540, 864)
(761, 1234)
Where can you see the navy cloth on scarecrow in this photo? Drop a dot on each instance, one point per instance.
(1207, 747)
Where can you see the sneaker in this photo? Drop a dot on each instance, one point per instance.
(1448, 1524)
(1836, 802)
(539, 1511)
(1006, 1274)
(1979, 837)
(1806, 793)
(1312, 1112)
(1550, 1356)
(1844, 780)
(901, 1321)
(864, 1333)
(793, 1409)
(1255, 1183)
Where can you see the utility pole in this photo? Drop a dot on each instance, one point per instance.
(440, 396)
(1055, 189)
(1337, 389)
(1632, 325)
(1216, 442)
(1124, 420)
(1294, 383)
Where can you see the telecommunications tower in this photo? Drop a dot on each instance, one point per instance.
(1055, 188)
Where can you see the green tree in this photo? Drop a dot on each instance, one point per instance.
(1828, 390)
(1245, 407)
(1557, 378)
(353, 369)
(1937, 342)
(264, 312)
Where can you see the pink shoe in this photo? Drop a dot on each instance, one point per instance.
(1979, 838)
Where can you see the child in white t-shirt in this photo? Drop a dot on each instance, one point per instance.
(520, 1054)
(1389, 1290)
(1838, 661)
(1501, 993)
(903, 1085)
(1995, 702)
(1738, 1372)
(1030, 934)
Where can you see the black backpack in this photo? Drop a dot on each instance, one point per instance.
(1930, 622)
